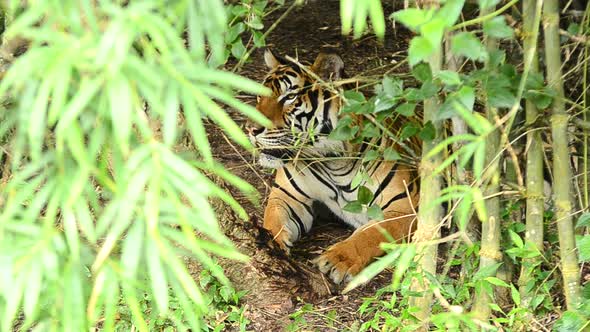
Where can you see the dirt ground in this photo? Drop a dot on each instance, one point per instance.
(279, 285)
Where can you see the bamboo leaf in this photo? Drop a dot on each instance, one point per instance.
(37, 118)
(516, 239)
(34, 285)
(88, 88)
(373, 269)
(406, 258)
(170, 116)
(121, 109)
(157, 274)
(496, 281)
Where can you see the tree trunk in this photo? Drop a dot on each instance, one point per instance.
(561, 166)
(489, 253)
(428, 227)
(534, 165)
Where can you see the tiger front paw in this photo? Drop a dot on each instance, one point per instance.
(283, 239)
(342, 261)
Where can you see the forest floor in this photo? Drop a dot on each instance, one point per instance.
(303, 34)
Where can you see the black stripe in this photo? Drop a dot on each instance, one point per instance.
(326, 124)
(376, 165)
(307, 207)
(322, 180)
(313, 98)
(395, 198)
(294, 184)
(298, 222)
(384, 183)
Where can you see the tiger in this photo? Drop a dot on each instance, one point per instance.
(312, 168)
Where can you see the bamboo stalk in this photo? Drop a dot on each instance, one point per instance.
(428, 227)
(534, 165)
(490, 253)
(562, 185)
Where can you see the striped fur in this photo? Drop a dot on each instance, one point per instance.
(311, 168)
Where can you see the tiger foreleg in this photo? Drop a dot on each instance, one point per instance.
(347, 258)
(287, 218)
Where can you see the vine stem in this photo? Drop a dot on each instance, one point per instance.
(484, 18)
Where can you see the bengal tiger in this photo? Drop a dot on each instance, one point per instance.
(313, 168)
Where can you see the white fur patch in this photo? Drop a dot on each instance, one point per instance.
(269, 161)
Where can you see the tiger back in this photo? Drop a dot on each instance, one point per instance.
(312, 167)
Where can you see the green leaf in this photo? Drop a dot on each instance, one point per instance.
(383, 103)
(392, 86)
(406, 109)
(226, 293)
(390, 154)
(463, 210)
(354, 97)
(485, 4)
(157, 274)
(515, 239)
(403, 264)
(583, 220)
(433, 31)
(34, 284)
(479, 204)
(371, 155)
(370, 130)
(583, 245)
(343, 133)
(496, 281)
(372, 270)
(428, 133)
(413, 18)
(422, 72)
(234, 32)
(497, 58)
(570, 321)
(486, 271)
(377, 18)
(374, 212)
(88, 88)
(364, 195)
(238, 49)
(497, 28)
(464, 98)
(354, 207)
(573, 28)
(450, 12)
(540, 99)
(428, 89)
(255, 23)
(469, 46)
(259, 40)
(410, 129)
(515, 294)
(420, 49)
(448, 77)
(501, 98)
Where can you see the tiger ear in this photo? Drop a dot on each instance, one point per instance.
(328, 66)
(273, 61)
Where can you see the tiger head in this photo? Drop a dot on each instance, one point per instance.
(302, 110)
